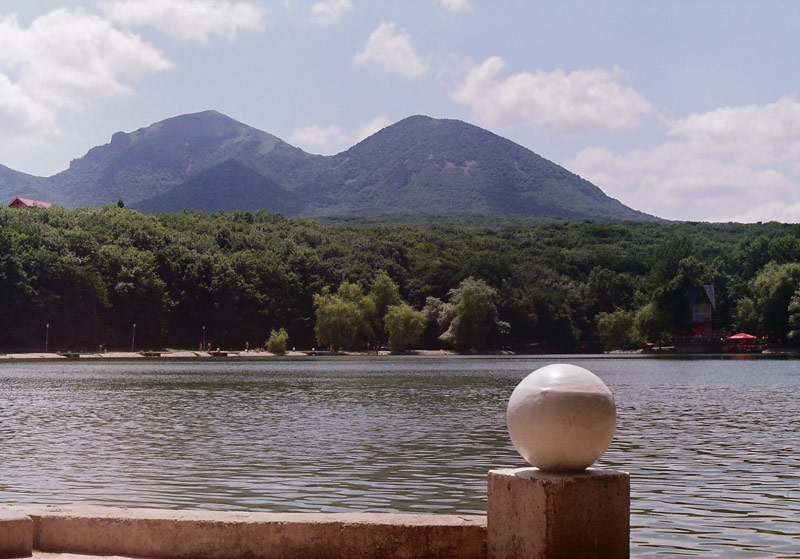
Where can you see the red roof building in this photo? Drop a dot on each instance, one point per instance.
(28, 203)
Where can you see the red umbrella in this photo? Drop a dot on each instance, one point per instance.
(742, 336)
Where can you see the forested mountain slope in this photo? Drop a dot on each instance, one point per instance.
(90, 273)
(418, 166)
(425, 165)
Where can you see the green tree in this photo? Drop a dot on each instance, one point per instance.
(794, 317)
(439, 315)
(606, 290)
(384, 294)
(92, 272)
(649, 323)
(751, 254)
(474, 317)
(784, 249)
(439, 312)
(665, 258)
(671, 297)
(337, 322)
(405, 326)
(136, 293)
(552, 305)
(745, 318)
(277, 341)
(617, 329)
(772, 291)
(352, 293)
(344, 320)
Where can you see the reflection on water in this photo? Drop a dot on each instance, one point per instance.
(712, 445)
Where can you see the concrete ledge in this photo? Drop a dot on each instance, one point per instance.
(169, 534)
(538, 515)
(16, 534)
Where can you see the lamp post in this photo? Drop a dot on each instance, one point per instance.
(204, 337)
(133, 337)
(47, 337)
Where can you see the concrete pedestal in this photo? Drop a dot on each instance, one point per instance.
(16, 534)
(538, 515)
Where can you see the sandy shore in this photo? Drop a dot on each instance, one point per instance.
(187, 354)
(182, 354)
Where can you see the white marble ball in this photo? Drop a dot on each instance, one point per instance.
(561, 418)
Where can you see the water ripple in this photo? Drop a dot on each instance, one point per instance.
(712, 445)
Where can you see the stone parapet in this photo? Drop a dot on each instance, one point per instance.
(170, 534)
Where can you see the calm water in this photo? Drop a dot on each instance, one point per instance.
(712, 445)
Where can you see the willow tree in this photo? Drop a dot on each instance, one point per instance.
(344, 319)
(405, 327)
(617, 329)
(772, 289)
(384, 294)
(474, 315)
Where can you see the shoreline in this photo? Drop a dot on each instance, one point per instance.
(228, 354)
(222, 354)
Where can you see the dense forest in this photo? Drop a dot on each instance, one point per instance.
(558, 285)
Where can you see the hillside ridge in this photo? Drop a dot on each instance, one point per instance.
(419, 165)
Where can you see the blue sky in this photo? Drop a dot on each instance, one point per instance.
(683, 109)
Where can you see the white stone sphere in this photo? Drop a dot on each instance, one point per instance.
(561, 418)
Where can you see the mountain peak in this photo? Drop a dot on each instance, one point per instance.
(209, 123)
(419, 165)
(416, 119)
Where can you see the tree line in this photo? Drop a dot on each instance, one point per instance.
(558, 285)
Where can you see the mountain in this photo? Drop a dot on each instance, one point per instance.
(13, 184)
(229, 186)
(156, 159)
(418, 166)
(426, 165)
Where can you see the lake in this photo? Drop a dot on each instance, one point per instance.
(712, 444)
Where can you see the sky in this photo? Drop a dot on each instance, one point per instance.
(687, 109)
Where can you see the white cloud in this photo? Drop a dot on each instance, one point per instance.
(21, 114)
(392, 50)
(456, 5)
(186, 20)
(771, 211)
(768, 133)
(730, 164)
(369, 128)
(333, 139)
(329, 12)
(319, 139)
(63, 61)
(579, 101)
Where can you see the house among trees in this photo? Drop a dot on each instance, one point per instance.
(703, 303)
(19, 202)
(703, 338)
